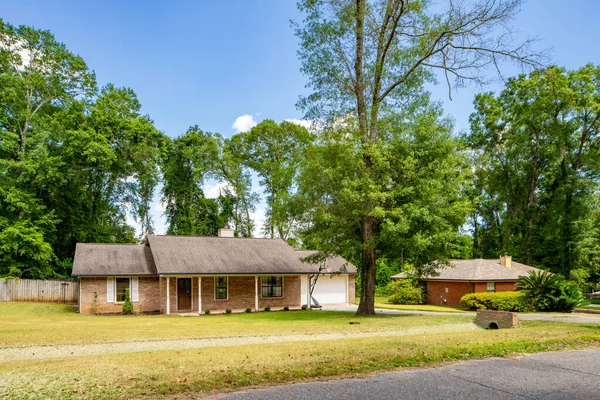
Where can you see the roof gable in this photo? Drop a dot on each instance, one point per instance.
(333, 264)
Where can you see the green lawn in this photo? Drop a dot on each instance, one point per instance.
(197, 372)
(24, 324)
(382, 302)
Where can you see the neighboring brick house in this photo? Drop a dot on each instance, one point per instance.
(472, 276)
(185, 274)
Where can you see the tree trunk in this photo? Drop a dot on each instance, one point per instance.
(368, 276)
(531, 197)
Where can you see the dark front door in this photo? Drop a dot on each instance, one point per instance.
(184, 293)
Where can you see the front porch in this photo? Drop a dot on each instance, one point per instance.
(187, 295)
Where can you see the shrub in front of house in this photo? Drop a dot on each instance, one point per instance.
(561, 296)
(228, 311)
(304, 307)
(405, 291)
(248, 310)
(286, 308)
(500, 301)
(267, 308)
(206, 312)
(127, 304)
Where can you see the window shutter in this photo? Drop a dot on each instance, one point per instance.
(134, 289)
(110, 290)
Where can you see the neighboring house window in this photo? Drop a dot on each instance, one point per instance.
(491, 286)
(220, 287)
(272, 286)
(122, 286)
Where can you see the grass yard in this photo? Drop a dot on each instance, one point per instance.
(382, 302)
(27, 324)
(160, 374)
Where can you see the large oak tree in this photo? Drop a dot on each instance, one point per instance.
(368, 59)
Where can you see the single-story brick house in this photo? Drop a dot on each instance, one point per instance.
(472, 276)
(190, 274)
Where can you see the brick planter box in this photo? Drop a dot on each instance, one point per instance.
(490, 319)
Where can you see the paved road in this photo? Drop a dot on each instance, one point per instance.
(552, 376)
(558, 317)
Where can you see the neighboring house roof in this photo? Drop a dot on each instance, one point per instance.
(332, 264)
(222, 255)
(112, 259)
(479, 269)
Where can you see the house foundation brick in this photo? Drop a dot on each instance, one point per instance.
(496, 319)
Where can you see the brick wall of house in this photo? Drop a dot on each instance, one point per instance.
(436, 292)
(506, 286)
(172, 294)
(481, 287)
(291, 294)
(240, 293)
(503, 319)
(147, 290)
(351, 289)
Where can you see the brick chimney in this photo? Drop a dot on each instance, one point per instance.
(226, 232)
(506, 260)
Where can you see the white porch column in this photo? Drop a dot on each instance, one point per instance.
(168, 297)
(256, 293)
(199, 295)
(308, 299)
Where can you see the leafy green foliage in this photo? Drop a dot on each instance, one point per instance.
(127, 304)
(74, 162)
(501, 301)
(547, 292)
(387, 173)
(535, 284)
(537, 164)
(563, 296)
(405, 291)
(275, 151)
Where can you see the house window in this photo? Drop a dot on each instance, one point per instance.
(491, 286)
(272, 286)
(220, 288)
(122, 286)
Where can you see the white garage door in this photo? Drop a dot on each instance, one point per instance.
(331, 289)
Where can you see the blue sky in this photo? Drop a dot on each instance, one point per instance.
(210, 62)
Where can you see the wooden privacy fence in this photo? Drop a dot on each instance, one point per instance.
(39, 290)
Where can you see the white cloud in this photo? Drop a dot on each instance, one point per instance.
(258, 217)
(213, 190)
(307, 123)
(243, 123)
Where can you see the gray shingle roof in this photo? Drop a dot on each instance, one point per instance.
(333, 264)
(479, 269)
(220, 255)
(112, 259)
